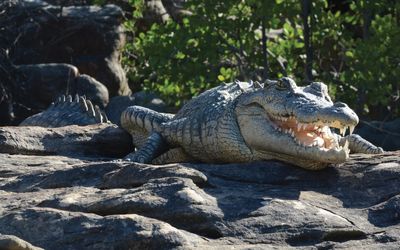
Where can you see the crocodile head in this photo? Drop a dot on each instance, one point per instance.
(294, 124)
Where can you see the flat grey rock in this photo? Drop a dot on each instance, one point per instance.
(71, 203)
(105, 139)
(10, 242)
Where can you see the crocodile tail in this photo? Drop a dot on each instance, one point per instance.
(138, 117)
(67, 110)
(357, 144)
(140, 122)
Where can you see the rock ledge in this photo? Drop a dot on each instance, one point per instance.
(69, 203)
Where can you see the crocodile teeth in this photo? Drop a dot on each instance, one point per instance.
(298, 126)
(343, 131)
(346, 147)
(351, 128)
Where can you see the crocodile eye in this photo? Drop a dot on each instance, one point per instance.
(280, 85)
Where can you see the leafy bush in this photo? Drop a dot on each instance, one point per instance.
(354, 48)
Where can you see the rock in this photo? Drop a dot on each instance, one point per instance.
(104, 139)
(134, 175)
(73, 230)
(174, 200)
(69, 2)
(41, 84)
(70, 203)
(381, 134)
(10, 242)
(150, 100)
(94, 90)
(386, 213)
(88, 37)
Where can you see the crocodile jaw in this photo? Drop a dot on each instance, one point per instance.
(269, 139)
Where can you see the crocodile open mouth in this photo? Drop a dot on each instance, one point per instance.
(317, 134)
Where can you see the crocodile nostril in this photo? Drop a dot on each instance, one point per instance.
(340, 105)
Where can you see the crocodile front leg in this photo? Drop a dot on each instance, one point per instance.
(154, 147)
(173, 155)
(357, 144)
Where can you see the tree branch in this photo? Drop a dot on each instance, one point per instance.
(264, 49)
(305, 14)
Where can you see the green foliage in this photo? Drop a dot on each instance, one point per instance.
(356, 52)
(98, 2)
(373, 62)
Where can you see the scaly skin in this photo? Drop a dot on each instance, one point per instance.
(242, 122)
(67, 111)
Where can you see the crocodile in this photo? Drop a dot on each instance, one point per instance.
(250, 121)
(67, 110)
(235, 122)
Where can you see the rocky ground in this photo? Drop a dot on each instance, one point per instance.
(60, 202)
